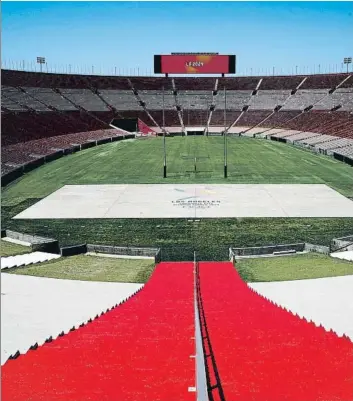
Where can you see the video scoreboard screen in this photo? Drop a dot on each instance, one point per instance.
(194, 63)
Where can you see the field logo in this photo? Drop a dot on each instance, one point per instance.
(203, 201)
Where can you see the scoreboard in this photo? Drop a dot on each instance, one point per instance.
(194, 63)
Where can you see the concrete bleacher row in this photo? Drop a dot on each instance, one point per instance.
(339, 123)
(15, 100)
(39, 91)
(317, 142)
(48, 145)
(269, 99)
(346, 151)
(317, 139)
(24, 127)
(72, 81)
(336, 144)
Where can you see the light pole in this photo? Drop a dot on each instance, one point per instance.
(347, 60)
(41, 61)
(190, 107)
(164, 144)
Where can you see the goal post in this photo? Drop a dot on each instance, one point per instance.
(225, 135)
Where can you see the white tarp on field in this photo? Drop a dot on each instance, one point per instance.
(190, 201)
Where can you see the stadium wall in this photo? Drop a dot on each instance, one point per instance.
(268, 250)
(123, 250)
(340, 243)
(38, 243)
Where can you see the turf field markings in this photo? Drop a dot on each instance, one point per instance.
(332, 161)
(307, 161)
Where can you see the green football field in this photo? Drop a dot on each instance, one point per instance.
(141, 161)
(250, 161)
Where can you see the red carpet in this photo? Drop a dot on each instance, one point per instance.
(264, 353)
(138, 351)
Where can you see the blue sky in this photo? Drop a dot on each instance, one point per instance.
(126, 35)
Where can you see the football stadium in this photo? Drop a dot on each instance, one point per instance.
(180, 235)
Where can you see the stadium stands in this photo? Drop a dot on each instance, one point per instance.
(38, 108)
(317, 139)
(18, 154)
(218, 117)
(345, 151)
(268, 100)
(22, 127)
(332, 123)
(154, 99)
(122, 99)
(302, 135)
(335, 144)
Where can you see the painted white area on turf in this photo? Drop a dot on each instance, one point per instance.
(345, 255)
(190, 201)
(27, 259)
(35, 308)
(326, 301)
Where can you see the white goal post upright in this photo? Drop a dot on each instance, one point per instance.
(164, 144)
(225, 134)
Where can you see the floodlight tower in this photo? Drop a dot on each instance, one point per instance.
(347, 60)
(41, 61)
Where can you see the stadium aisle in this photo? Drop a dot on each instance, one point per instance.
(262, 352)
(138, 351)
